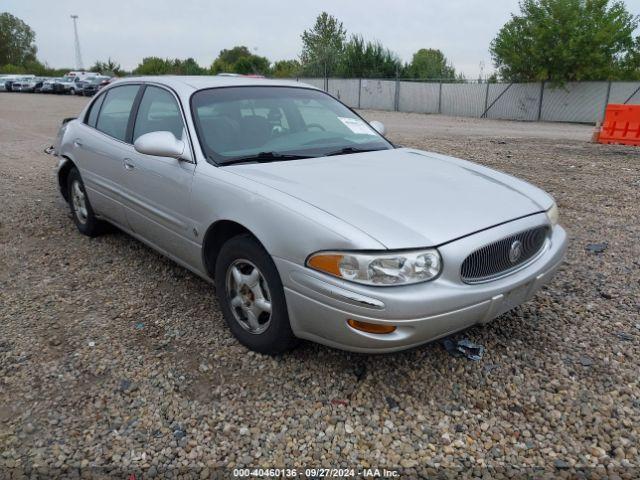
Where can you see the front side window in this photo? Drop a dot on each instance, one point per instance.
(115, 111)
(158, 112)
(240, 123)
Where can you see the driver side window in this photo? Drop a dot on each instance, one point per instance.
(158, 112)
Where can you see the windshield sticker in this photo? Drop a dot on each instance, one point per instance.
(357, 126)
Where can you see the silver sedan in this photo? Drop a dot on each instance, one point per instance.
(309, 222)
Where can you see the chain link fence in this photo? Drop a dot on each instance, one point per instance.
(580, 102)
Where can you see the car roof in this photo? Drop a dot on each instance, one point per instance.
(188, 84)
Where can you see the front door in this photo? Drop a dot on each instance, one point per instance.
(159, 188)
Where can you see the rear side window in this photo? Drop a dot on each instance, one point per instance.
(158, 112)
(115, 111)
(93, 113)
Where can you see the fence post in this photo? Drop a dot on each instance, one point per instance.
(440, 97)
(359, 91)
(486, 100)
(540, 101)
(396, 99)
(606, 101)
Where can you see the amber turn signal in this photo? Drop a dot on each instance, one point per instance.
(326, 263)
(371, 327)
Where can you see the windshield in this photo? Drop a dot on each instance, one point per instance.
(277, 123)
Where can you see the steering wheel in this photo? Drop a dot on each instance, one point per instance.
(315, 125)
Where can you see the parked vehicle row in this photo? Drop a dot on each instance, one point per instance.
(74, 83)
(7, 81)
(23, 84)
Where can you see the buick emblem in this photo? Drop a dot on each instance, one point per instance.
(515, 252)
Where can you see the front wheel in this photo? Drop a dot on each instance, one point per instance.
(72, 91)
(251, 296)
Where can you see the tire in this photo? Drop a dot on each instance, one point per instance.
(72, 91)
(267, 332)
(80, 207)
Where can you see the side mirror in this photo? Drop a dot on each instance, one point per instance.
(160, 144)
(378, 127)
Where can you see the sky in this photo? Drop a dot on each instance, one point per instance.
(128, 30)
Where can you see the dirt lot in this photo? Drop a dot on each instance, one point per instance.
(113, 357)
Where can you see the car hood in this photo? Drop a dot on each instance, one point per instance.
(404, 198)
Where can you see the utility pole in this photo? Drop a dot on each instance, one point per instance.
(79, 65)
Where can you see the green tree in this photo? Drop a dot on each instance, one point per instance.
(630, 64)
(430, 63)
(252, 65)
(10, 69)
(167, 66)
(153, 66)
(16, 41)
(322, 45)
(493, 78)
(567, 40)
(240, 60)
(35, 67)
(187, 67)
(362, 58)
(109, 67)
(286, 69)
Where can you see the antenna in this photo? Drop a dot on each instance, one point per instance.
(77, 43)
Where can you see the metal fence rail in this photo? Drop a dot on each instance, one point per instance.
(582, 102)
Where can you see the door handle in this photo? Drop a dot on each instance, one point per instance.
(77, 143)
(128, 164)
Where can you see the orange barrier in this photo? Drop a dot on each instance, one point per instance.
(621, 125)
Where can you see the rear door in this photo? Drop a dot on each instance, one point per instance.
(159, 188)
(101, 147)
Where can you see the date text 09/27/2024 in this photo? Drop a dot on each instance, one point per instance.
(314, 473)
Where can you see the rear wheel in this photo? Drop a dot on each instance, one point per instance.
(81, 210)
(251, 297)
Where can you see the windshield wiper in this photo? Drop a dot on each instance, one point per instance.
(348, 150)
(264, 157)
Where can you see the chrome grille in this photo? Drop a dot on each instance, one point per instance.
(494, 260)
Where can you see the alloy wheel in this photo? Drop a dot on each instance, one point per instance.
(249, 296)
(79, 201)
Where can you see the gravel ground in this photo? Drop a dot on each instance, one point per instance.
(115, 358)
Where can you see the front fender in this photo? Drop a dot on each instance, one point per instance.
(287, 227)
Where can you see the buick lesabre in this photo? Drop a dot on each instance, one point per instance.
(308, 221)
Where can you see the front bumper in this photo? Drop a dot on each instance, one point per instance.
(320, 305)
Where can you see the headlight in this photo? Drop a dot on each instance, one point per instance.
(383, 268)
(553, 214)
